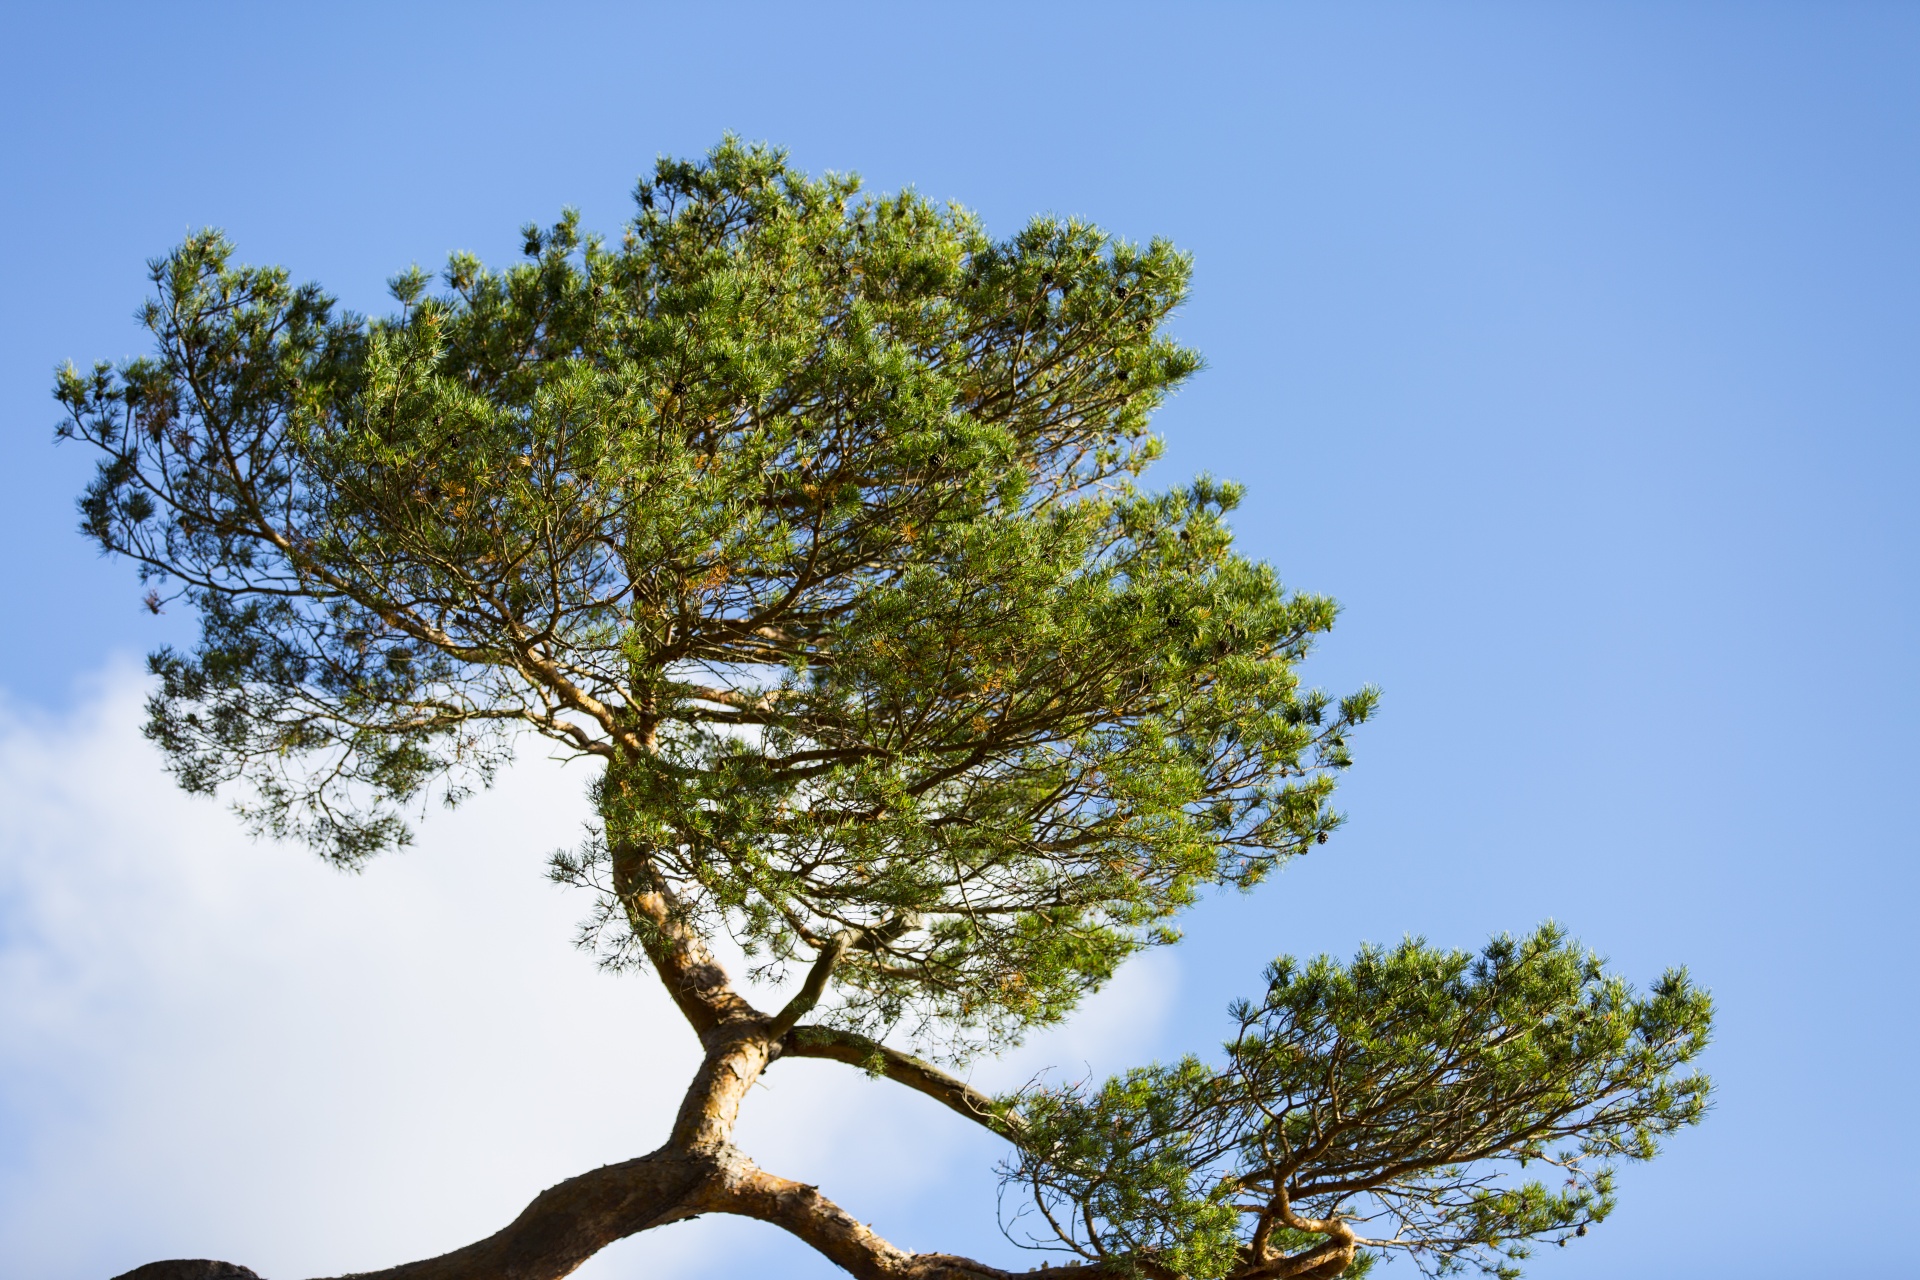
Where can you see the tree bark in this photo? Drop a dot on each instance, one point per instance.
(570, 1222)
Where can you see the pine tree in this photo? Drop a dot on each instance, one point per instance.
(815, 517)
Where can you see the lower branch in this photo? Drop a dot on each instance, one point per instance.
(700, 1171)
(568, 1223)
(748, 1191)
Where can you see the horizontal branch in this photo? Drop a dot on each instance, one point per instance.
(915, 1073)
(799, 1209)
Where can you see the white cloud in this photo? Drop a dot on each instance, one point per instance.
(212, 1047)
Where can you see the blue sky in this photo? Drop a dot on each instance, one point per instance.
(1574, 348)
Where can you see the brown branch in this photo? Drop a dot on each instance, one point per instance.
(814, 987)
(803, 1212)
(859, 1051)
(695, 980)
(570, 1222)
(1330, 1258)
(799, 1209)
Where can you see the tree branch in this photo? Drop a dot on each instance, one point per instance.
(858, 1051)
(751, 1192)
(813, 988)
(695, 980)
(568, 1223)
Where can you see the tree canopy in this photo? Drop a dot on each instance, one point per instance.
(815, 517)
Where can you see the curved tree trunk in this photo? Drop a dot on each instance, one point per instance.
(698, 1170)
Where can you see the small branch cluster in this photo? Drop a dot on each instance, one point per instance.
(1396, 1103)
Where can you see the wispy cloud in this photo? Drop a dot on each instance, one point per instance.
(213, 1047)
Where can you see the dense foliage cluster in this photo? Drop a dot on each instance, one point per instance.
(1404, 1089)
